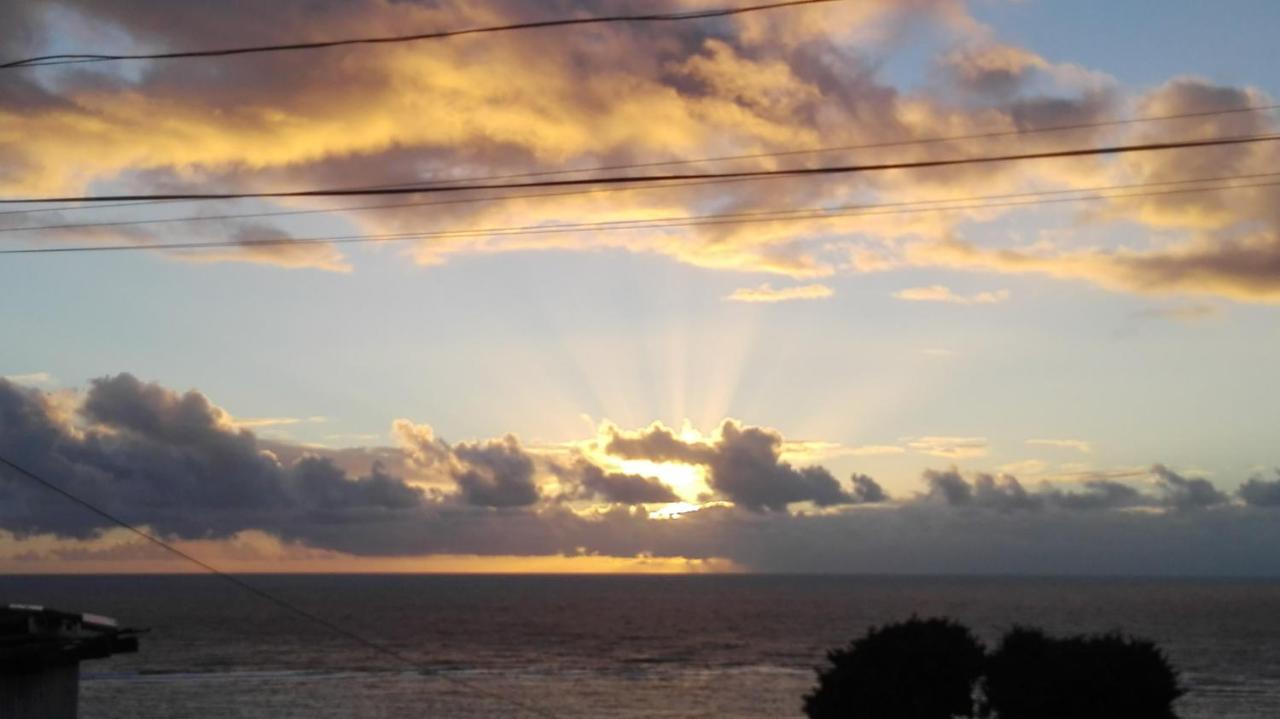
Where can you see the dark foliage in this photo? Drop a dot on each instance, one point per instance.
(1108, 676)
(918, 669)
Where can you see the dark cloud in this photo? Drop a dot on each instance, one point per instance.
(1186, 493)
(1002, 493)
(1259, 492)
(744, 465)
(327, 487)
(496, 473)
(948, 486)
(594, 482)
(490, 473)
(1097, 494)
(658, 444)
(1005, 493)
(175, 462)
(866, 490)
(170, 460)
(1036, 113)
(928, 538)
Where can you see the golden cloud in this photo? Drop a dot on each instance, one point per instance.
(767, 293)
(628, 94)
(942, 293)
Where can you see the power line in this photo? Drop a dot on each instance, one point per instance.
(793, 215)
(265, 595)
(361, 208)
(725, 158)
(573, 193)
(636, 179)
(69, 59)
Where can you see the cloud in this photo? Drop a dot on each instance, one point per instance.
(991, 68)
(744, 464)
(1024, 467)
(1242, 268)
(1259, 492)
(488, 473)
(1079, 445)
(274, 246)
(866, 490)
(620, 94)
(874, 450)
(495, 473)
(174, 457)
(769, 82)
(949, 487)
(1186, 493)
(657, 443)
(625, 93)
(950, 447)
(766, 293)
(176, 463)
(594, 482)
(941, 293)
(1098, 494)
(1225, 243)
(31, 378)
(1003, 493)
(260, 422)
(329, 488)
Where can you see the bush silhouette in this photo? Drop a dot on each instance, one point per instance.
(1108, 676)
(918, 669)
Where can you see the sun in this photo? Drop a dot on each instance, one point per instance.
(675, 510)
(686, 480)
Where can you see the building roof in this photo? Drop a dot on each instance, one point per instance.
(33, 638)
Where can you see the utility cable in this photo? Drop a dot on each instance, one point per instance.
(747, 156)
(75, 58)
(635, 179)
(794, 215)
(572, 193)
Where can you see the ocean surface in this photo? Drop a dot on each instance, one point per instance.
(617, 646)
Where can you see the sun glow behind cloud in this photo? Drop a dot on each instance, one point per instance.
(687, 480)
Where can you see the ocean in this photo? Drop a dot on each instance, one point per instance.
(607, 646)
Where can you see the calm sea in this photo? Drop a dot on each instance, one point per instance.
(686, 646)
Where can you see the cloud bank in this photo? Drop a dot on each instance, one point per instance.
(178, 464)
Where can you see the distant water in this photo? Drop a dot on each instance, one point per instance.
(686, 646)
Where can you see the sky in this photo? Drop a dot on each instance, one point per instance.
(987, 383)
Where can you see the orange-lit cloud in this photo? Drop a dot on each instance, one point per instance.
(1079, 445)
(950, 447)
(942, 293)
(616, 95)
(767, 293)
(121, 552)
(620, 94)
(1241, 269)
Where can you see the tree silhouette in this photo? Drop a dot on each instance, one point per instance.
(1107, 676)
(918, 669)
